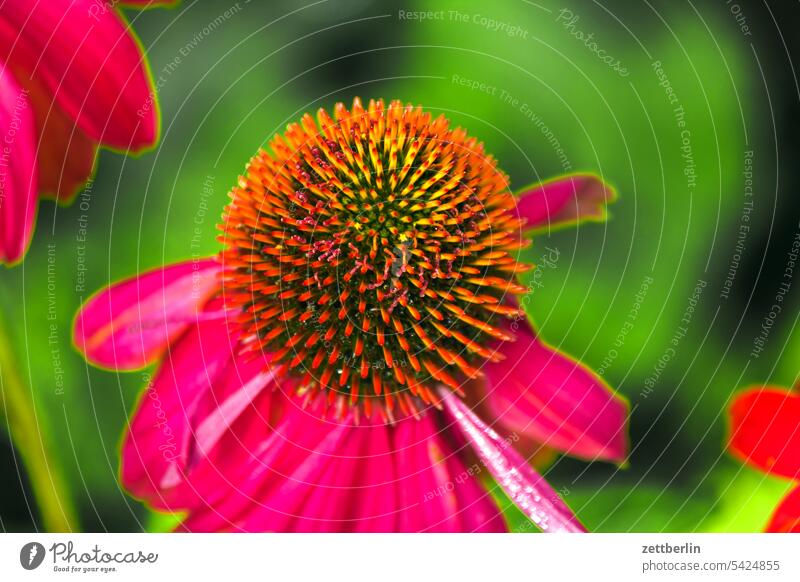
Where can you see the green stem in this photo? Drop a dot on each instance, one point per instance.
(31, 441)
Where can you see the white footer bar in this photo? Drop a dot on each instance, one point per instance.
(401, 558)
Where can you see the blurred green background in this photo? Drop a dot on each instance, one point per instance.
(548, 104)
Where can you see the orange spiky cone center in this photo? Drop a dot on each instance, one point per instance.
(373, 254)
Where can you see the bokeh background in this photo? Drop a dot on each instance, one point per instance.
(694, 122)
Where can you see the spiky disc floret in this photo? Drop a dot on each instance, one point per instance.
(373, 254)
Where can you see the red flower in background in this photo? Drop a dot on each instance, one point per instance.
(765, 433)
(72, 78)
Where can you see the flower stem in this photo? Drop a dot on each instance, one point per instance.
(30, 439)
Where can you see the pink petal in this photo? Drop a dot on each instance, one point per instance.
(239, 386)
(338, 486)
(277, 467)
(18, 175)
(128, 325)
(306, 473)
(200, 391)
(565, 200)
(90, 60)
(65, 155)
(216, 480)
(526, 488)
(548, 396)
(376, 493)
(438, 491)
(155, 449)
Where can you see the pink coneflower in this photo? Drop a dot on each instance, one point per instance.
(765, 433)
(326, 370)
(72, 77)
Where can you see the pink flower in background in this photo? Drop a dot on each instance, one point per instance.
(326, 372)
(72, 77)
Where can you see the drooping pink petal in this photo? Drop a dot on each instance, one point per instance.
(326, 488)
(548, 396)
(264, 470)
(65, 155)
(356, 491)
(222, 471)
(565, 200)
(18, 176)
(303, 472)
(219, 407)
(439, 492)
(377, 487)
(786, 518)
(129, 324)
(89, 59)
(526, 488)
(155, 448)
(765, 429)
(200, 390)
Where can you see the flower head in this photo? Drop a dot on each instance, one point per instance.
(72, 77)
(374, 255)
(323, 371)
